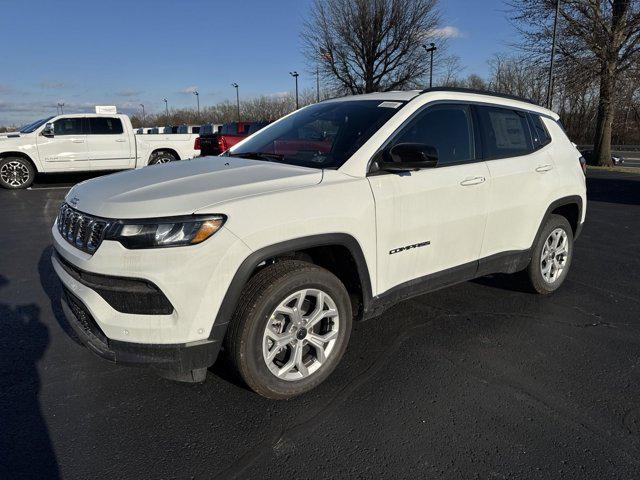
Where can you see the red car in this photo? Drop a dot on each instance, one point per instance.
(226, 137)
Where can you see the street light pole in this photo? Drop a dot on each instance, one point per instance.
(295, 75)
(553, 54)
(432, 48)
(61, 105)
(143, 115)
(197, 100)
(235, 85)
(166, 108)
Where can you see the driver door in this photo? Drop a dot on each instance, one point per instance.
(67, 148)
(430, 222)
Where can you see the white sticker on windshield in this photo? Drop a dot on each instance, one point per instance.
(390, 104)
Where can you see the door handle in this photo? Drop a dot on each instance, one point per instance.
(78, 140)
(121, 139)
(544, 168)
(472, 181)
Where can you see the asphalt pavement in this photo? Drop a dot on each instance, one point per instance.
(481, 380)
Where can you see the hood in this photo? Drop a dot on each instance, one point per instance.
(181, 188)
(9, 134)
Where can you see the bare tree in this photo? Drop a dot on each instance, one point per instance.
(365, 46)
(597, 39)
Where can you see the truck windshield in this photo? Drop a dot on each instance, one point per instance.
(32, 126)
(323, 135)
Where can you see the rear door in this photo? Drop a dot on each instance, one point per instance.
(432, 220)
(109, 146)
(67, 149)
(522, 177)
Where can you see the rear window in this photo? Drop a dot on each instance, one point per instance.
(505, 132)
(105, 126)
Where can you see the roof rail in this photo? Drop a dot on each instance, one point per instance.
(481, 92)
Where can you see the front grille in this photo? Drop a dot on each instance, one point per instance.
(83, 231)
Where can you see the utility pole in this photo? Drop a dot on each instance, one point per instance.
(553, 54)
(61, 106)
(166, 108)
(430, 49)
(143, 115)
(235, 85)
(197, 100)
(295, 75)
(317, 84)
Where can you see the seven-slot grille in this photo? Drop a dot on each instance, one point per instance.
(83, 231)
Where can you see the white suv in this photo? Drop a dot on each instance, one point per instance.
(325, 217)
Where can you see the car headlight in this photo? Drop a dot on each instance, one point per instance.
(165, 232)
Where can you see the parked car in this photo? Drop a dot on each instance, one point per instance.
(83, 142)
(616, 158)
(328, 216)
(227, 136)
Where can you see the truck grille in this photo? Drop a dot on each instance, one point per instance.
(83, 231)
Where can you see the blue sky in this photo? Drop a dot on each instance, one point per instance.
(130, 52)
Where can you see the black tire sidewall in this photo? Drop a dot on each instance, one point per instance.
(535, 274)
(32, 173)
(253, 367)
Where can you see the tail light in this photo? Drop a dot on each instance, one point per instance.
(583, 164)
(196, 144)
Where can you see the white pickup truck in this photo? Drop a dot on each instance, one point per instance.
(84, 142)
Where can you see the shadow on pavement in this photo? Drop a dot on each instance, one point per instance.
(614, 190)
(25, 447)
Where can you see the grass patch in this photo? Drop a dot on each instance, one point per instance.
(615, 169)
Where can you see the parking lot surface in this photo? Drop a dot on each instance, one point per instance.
(481, 380)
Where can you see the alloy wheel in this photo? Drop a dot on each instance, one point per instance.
(300, 334)
(555, 253)
(14, 173)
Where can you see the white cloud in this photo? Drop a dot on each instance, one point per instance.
(190, 89)
(52, 85)
(448, 31)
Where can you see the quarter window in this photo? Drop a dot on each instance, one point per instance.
(505, 132)
(105, 126)
(68, 126)
(541, 136)
(447, 128)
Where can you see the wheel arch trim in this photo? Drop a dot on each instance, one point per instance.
(560, 202)
(247, 267)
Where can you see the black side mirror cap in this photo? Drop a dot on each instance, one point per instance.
(411, 156)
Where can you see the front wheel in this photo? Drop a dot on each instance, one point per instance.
(290, 330)
(551, 256)
(16, 172)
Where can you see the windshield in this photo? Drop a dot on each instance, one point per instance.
(323, 135)
(32, 126)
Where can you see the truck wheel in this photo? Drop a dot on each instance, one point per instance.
(290, 329)
(161, 157)
(16, 172)
(551, 256)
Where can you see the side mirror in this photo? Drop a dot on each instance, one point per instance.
(47, 131)
(411, 156)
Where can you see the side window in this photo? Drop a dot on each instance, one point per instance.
(105, 126)
(68, 126)
(541, 136)
(505, 132)
(447, 128)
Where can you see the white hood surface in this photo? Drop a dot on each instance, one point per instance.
(182, 187)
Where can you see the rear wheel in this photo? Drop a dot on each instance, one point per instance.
(16, 172)
(290, 330)
(551, 256)
(162, 157)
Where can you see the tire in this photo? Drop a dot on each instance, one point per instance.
(162, 157)
(540, 279)
(255, 326)
(16, 173)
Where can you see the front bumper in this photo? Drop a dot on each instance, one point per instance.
(173, 358)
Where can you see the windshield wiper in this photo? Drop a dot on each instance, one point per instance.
(270, 157)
